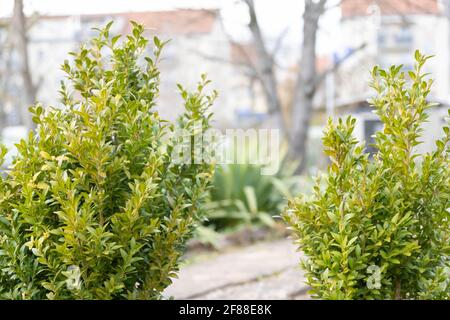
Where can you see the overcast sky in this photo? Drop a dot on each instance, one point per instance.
(275, 16)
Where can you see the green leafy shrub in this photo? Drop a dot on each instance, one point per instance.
(379, 229)
(93, 206)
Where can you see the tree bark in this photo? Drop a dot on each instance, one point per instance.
(306, 82)
(2, 120)
(398, 290)
(265, 66)
(20, 43)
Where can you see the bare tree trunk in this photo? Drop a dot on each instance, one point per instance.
(5, 68)
(306, 82)
(20, 42)
(398, 290)
(2, 118)
(265, 66)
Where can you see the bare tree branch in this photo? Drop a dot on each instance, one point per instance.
(250, 68)
(265, 62)
(305, 88)
(279, 42)
(20, 42)
(337, 65)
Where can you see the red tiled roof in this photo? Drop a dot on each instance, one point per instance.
(351, 8)
(174, 22)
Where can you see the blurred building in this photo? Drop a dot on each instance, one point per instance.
(392, 31)
(198, 45)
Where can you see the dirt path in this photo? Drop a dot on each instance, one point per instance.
(267, 270)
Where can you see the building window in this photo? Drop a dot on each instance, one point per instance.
(395, 37)
(404, 37)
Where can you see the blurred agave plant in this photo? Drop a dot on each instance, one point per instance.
(242, 197)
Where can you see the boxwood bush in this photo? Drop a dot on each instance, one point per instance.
(379, 228)
(94, 207)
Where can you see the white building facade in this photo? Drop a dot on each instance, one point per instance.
(392, 31)
(198, 44)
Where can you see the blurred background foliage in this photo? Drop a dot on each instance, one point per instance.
(242, 200)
